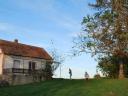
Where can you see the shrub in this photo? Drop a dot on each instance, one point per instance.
(97, 76)
(4, 83)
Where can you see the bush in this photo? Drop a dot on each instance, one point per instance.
(97, 76)
(4, 83)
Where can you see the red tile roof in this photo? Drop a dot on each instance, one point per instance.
(18, 49)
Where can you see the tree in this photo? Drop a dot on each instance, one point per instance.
(109, 66)
(50, 67)
(48, 73)
(58, 59)
(106, 32)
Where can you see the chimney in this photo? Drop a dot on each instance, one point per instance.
(16, 40)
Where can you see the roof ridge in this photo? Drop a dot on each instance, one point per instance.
(15, 48)
(21, 43)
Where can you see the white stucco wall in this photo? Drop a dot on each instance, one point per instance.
(1, 63)
(8, 62)
(24, 62)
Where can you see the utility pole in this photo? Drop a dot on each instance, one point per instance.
(60, 70)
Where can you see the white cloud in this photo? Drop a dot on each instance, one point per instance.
(25, 33)
(74, 34)
(13, 29)
(49, 9)
(35, 5)
(6, 27)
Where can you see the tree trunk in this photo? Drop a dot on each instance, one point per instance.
(121, 71)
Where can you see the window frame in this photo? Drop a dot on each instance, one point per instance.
(15, 64)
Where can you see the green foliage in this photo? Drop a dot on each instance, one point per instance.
(97, 76)
(109, 66)
(48, 73)
(101, 87)
(105, 33)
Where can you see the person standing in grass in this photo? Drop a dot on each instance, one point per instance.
(70, 73)
(86, 76)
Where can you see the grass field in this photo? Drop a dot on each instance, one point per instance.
(102, 87)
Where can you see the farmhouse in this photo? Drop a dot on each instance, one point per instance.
(21, 63)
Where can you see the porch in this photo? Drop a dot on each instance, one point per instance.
(18, 70)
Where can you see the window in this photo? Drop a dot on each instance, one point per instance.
(16, 64)
(32, 65)
(43, 66)
(126, 3)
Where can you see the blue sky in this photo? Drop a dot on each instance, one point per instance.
(37, 22)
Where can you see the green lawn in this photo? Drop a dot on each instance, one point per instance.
(102, 87)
